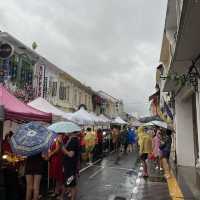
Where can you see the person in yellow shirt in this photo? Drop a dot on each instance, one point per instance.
(145, 143)
(90, 142)
(115, 138)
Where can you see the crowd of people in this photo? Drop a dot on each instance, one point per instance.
(68, 151)
(155, 144)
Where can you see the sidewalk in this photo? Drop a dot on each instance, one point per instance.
(152, 188)
(188, 179)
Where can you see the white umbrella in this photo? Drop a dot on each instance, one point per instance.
(148, 124)
(159, 124)
(162, 124)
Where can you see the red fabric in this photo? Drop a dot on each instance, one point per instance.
(100, 137)
(6, 147)
(81, 137)
(17, 110)
(56, 163)
(56, 167)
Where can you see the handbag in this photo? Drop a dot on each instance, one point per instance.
(151, 157)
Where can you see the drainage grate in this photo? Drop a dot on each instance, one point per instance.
(119, 198)
(157, 179)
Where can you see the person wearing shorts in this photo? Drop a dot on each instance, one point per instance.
(70, 164)
(145, 149)
(33, 170)
(144, 156)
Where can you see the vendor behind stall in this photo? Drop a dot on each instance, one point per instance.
(6, 143)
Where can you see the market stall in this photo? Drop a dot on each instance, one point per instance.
(43, 105)
(119, 120)
(136, 123)
(12, 109)
(82, 117)
(15, 110)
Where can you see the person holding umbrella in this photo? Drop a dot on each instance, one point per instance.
(55, 157)
(71, 156)
(70, 163)
(31, 140)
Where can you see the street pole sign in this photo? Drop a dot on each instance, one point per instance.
(6, 50)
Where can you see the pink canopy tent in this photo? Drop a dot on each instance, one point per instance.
(17, 110)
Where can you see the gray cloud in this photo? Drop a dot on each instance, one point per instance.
(112, 45)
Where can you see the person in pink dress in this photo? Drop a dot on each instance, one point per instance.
(156, 148)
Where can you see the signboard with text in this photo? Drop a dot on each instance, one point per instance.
(6, 51)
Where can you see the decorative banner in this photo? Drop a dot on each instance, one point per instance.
(39, 79)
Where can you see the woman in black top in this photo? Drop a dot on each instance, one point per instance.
(165, 148)
(34, 170)
(70, 163)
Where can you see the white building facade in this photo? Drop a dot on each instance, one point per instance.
(180, 57)
(64, 91)
(113, 107)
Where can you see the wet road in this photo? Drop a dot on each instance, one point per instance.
(107, 181)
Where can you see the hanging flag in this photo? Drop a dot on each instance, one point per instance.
(167, 110)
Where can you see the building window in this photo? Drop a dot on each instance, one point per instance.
(75, 97)
(86, 99)
(26, 73)
(80, 98)
(62, 91)
(45, 86)
(89, 102)
(68, 93)
(54, 89)
(14, 62)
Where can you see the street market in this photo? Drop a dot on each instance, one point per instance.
(99, 100)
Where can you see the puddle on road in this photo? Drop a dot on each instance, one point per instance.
(113, 197)
(132, 172)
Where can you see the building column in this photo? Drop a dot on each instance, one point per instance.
(184, 132)
(198, 119)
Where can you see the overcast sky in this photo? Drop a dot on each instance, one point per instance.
(110, 45)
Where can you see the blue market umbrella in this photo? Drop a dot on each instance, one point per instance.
(64, 127)
(31, 139)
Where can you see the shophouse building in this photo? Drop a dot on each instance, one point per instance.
(113, 107)
(180, 56)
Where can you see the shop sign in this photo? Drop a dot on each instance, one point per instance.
(6, 50)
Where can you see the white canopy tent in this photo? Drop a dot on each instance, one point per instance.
(96, 118)
(119, 120)
(82, 117)
(43, 105)
(104, 119)
(136, 123)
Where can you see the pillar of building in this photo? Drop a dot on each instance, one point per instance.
(184, 132)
